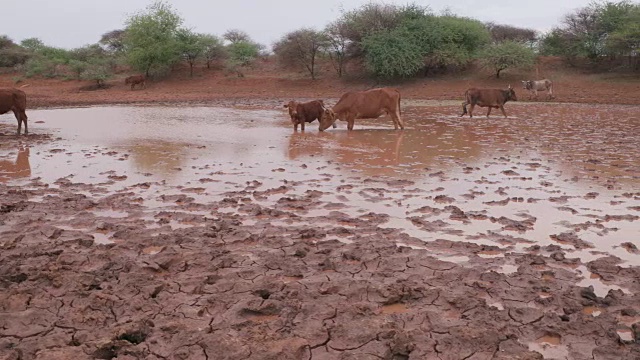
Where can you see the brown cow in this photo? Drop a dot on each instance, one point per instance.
(369, 104)
(491, 98)
(15, 100)
(136, 79)
(307, 112)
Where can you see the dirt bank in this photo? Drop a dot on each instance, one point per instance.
(267, 81)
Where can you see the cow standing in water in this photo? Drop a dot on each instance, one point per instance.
(15, 100)
(491, 98)
(135, 80)
(370, 104)
(307, 112)
(538, 85)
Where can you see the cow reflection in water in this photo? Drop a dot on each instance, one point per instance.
(383, 152)
(20, 168)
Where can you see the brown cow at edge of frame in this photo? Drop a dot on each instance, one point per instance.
(491, 98)
(15, 100)
(135, 80)
(369, 104)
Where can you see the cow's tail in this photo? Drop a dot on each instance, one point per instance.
(465, 103)
(399, 108)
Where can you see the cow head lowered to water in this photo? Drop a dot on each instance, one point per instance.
(307, 112)
(369, 104)
(490, 98)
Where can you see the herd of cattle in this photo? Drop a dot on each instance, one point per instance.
(369, 104)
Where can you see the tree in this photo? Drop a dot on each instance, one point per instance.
(336, 45)
(88, 52)
(236, 36)
(506, 55)
(11, 54)
(428, 43)
(113, 40)
(501, 33)
(5, 42)
(393, 54)
(242, 53)
(213, 48)
(97, 70)
(151, 38)
(191, 46)
(33, 44)
(301, 48)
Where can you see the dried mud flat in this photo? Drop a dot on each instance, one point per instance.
(122, 268)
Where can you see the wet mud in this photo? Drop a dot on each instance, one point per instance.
(217, 233)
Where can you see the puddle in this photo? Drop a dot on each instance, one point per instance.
(394, 309)
(625, 334)
(152, 250)
(592, 310)
(102, 239)
(550, 347)
(475, 181)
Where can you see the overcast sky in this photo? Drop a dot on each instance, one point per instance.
(73, 23)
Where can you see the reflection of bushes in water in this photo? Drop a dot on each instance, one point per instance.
(380, 151)
(161, 157)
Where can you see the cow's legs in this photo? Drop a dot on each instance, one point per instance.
(502, 109)
(397, 119)
(489, 111)
(302, 125)
(21, 116)
(350, 121)
(295, 126)
(471, 109)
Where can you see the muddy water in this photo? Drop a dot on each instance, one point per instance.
(546, 171)
(224, 221)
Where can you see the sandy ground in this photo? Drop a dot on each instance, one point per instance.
(455, 239)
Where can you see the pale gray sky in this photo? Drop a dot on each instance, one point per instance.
(73, 23)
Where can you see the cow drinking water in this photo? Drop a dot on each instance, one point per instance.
(306, 112)
(538, 85)
(369, 104)
(15, 100)
(491, 98)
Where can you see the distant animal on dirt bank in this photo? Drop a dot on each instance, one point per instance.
(369, 104)
(15, 100)
(491, 98)
(306, 112)
(135, 80)
(538, 85)
(18, 169)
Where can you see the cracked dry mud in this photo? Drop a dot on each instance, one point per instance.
(370, 245)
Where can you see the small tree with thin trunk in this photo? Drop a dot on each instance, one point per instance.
(301, 48)
(213, 48)
(236, 36)
(113, 40)
(191, 46)
(508, 54)
(150, 38)
(337, 44)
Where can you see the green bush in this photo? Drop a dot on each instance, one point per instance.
(508, 54)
